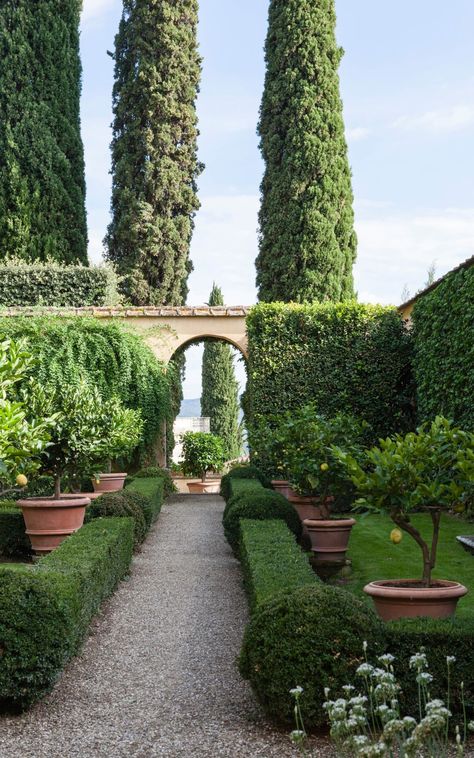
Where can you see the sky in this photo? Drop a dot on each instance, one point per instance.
(407, 83)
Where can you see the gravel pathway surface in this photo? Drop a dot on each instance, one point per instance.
(157, 676)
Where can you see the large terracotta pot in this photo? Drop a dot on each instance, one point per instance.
(329, 539)
(283, 487)
(204, 488)
(49, 522)
(406, 598)
(306, 507)
(109, 482)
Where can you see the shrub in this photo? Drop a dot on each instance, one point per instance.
(13, 540)
(443, 365)
(310, 637)
(202, 452)
(241, 488)
(272, 562)
(53, 284)
(343, 357)
(45, 609)
(118, 505)
(260, 505)
(242, 472)
(148, 494)
(153, 472)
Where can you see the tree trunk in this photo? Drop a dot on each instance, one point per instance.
(57, 488)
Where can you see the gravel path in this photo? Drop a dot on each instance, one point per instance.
(157, 676)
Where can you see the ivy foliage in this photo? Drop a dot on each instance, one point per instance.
(24, 283)
(42, 184)
(154, 149)
(344, 357)
(308, 244)
(443, 328)
(220, 389)
(116, 361)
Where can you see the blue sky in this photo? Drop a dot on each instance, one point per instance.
(407, 82)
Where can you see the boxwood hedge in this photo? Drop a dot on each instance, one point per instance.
(13, 539)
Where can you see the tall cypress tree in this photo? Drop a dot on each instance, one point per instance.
(154, 148)
(42, 184)
(220, 390)
(307, 239)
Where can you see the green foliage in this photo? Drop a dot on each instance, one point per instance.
(348, 358)
(123, 505)
(443, 360)
(13, 540)
(121, 429)
(220, 390)
(271, 560)
(309, 637)
(153, 490)
(154, 149)
(153, 472)
(258, 504)
(115, 360)
(42, 184)
(241, 472)
(45, 610)
(50, 283)
(202, 452)
(308, 244)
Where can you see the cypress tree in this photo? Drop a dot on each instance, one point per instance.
(154, 149)
(42, 184)
(307, 239)
(220, 390)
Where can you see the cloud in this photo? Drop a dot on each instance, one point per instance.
(95, 8)
(441, 121)
(357, 134)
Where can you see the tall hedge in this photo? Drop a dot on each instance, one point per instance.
(220, 389)
(308, 244)
(345, 357)
(116, 360)
(42, 184)
(443, 329)
(154, 149)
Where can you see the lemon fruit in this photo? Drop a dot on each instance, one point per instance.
(396, 536)
(324, 467)
(21, 480)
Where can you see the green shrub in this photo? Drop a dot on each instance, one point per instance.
(148, 493)
(238, 488)
(45, 610)
(242, 472)
(153, 472)
(311, 637)
(272, 562)
(443, 362)
(343, 357)
(118, 505)
(13, 540)
(53, 284)
(260, 505)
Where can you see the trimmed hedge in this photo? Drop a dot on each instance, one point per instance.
(443, 329)
(342, 356)
(13, 539)
(148, 492)
(154, 472)
(271, 560)
(53, 284)
(45, 609)
(119, 505)
(311, 637)
(241, 472)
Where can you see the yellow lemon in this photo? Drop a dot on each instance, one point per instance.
(396, 536)
(324, 467)
(21, 480)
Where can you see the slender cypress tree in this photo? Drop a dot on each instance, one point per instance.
(307, 239)
(220, 390)
(42, 184)
(154, 148)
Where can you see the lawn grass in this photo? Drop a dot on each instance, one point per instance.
(374, 556)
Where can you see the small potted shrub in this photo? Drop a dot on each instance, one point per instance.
(122, 430)
(416, 472)
(202, 453)
(268, 441)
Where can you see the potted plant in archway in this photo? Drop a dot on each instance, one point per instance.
(202, 453)
(122, 429)
(417, 472)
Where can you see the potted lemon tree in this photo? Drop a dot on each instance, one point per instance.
(421, 471)
(122, 430)
(202, 453)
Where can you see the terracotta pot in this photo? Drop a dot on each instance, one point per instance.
(204, 488)
(109, 482)
(283, 487)
(49, 522)
(405, 598)
(329, 539)
(306, 507)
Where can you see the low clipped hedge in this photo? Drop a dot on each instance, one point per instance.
(311, 637)
(241, 472)
(271, 561)
(45, 609)
(153, 491)
(154, 472)
(118, 505)
(13, 539)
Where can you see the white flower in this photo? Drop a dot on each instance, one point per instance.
(418, 661)
(297, 735)
(347, 689)
(365, 669)
(450, 659)
(364, 646)
(386, 659)
(424, 678)
(296, 691)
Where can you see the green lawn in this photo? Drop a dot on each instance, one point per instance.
(375, 557)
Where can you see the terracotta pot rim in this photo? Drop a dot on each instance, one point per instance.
(328, 523)
(280, 481)
(50, 502)
(387, 588)
(117, 475)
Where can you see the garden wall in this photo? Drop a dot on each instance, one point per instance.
(443, 330)
(344, 357)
